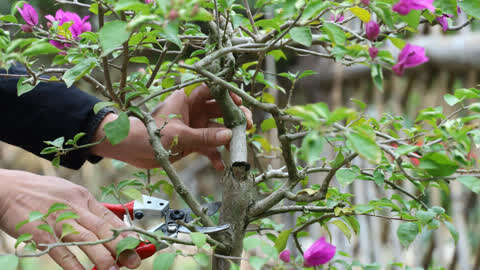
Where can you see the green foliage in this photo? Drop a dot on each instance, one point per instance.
(117, 130)
(127, 243)
(164, 261)
(9, 262)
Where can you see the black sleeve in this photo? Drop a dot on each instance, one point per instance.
(49, 111)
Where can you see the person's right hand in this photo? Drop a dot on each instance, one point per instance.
(22, 193)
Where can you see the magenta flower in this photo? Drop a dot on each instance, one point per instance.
(30, 16)
(410, 56)
(319, 253)
(149, 1)
(459, 10)
(373, 52)
(372, 30)
(403, 7)
(337, 18)
(285, 255)
(443, 21)
(365, 2)
(79, 25)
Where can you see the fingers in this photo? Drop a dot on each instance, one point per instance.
(214, 157)
(65, 258)
(98, 254)
(198, 139)
(248, 115)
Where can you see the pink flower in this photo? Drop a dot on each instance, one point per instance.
(30, 16)
(373, 51)
(442, 20)
(320, 252)
(372, 30)
(403, 7)
(337, 18)
(365, 2)
(410, 56)
(79, 25)
(459, 10)
(149, 1)
(285, 255)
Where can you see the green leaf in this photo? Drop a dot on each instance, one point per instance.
(452, 230)
(438, 164)
(302, 35)
(164, 261)
(202, 259)
(20, 224)
(361, 13)
(170, 33)
(471, 182)
(346, 176)
(34, 215)
(425, 216)
(446, 6)
(471, 7)
(78, 71)
(377, 76)
(78, 136)
(306, 73)
(127, 243)
(335, 33)
(199, 239)
(405, 149)
(251, 243)
(451, 99)
(22, 238)
(282, 239)
(257, 262)
(140, 59)
(132, 193)
(112, 35)
(66, 215)
(312, 147)
(8, 18)
(24, 87)
(46, 227)
(277, 54)
(67, 229)
(268, 124)
(399, 43)
(365, 146)
(407, 232)
(131, 5)
(39, 48)
(343, 227)
(412, 18)
(117, 130)
(9, 262)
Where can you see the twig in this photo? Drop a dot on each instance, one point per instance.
(161, 58)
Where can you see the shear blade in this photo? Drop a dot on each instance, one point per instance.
(214, 229)
(212, 208)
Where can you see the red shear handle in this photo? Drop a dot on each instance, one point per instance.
(119, 210)
(144, 250)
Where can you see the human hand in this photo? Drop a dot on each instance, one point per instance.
(23, 193)
(192, 131)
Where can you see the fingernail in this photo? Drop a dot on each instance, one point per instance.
(224, 135)
(114, 268)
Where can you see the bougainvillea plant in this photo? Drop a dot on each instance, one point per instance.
(224, 44)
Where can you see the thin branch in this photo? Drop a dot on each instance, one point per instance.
(157, 67)
(250, 18)
(460, 27)
(294, 208)
(271, 44)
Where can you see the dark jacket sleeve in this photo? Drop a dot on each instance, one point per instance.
(49, 111)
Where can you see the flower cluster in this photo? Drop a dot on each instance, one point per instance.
(78, 25)
(318, 253)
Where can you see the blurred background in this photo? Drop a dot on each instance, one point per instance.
(454, 63)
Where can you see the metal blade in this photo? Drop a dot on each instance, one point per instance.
(215, 229)
(212, 208)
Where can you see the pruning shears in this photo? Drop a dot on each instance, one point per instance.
(153, 207)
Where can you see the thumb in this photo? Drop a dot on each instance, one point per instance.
(200, 138)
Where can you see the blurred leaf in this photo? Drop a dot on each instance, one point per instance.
(471, 7)
(129, 243)
(377, 76)
(9, 262)
(302, 35)
(34, 215)
(407, 232)
(112, 35)
(268, 124)
(202, 259)
(471, 182)
(66, 215)
(343, 227)
(251, 243)
(257, 262)
(335, 33)
(22, 238)
(24, 87)
(451, 99)
(282, 239)
(67, 229)
(405, 149)
(425, 216)
(312, 147)
(365, 146)
(346, 176)
(277, 54)
(46, 227)
(361, 13)
(453, 231)
(39, 48)
(438, 164)
(78, 71)
(164, 261)
(412, 18)
(447, 6)
(117, 130)
(132, 193)
(199, 239)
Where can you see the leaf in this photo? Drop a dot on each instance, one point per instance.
(100, 105)
(164, 261)
(453, 231)
(407, 232)
(312, 147)
(202, 259)
(446, 6)
(257, 262)
(9, 262)
(412, 18)
(361, 13)
(277, 54)
(302, 35)
(251, 243)
(399, 43)
(343, 227)
(132, 193)
(46, 228)
(112, 35)
(170, 33)
(117, 130)
(23, 87)
(66, 215)
(8, 18)
(268, 124)
(39, 48)
(34, 215)
(20, 224)
(306, 73)
(199, 239)
(471, 182)
(377, 76)
(425, 216)
(438, 164)
(335, 33)
(282, 239)
(78, 71)
(127, 243)
(471, 7)
(405, 149)
(22, 238)
(365, 146)
(345, 176)
(68, 229)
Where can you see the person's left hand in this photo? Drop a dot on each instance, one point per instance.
(190, 130)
